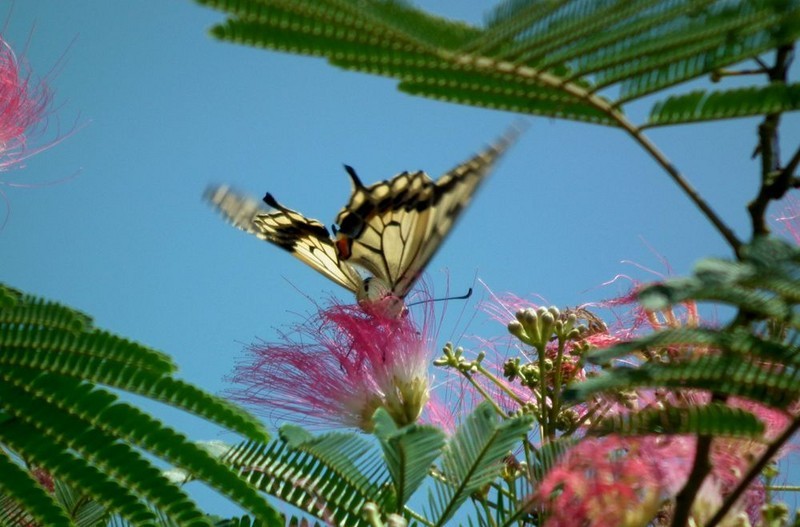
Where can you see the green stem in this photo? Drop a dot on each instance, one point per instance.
(500, 384)
(485, 394)
(546, 417)
(556, 402)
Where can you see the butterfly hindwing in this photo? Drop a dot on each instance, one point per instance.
(307, 239)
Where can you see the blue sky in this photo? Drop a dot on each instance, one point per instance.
(163, 110)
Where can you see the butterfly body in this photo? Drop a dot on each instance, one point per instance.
(390, 229)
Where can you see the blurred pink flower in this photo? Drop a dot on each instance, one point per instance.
(24, 103)
(611, 482)
(626, 482)
(339, 366)
(789, 218)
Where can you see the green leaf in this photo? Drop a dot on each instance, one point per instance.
(333, 488)
(76, 472)
(714, 419)
(247, 521)
(26, 494)
(705, 105)
(687, 341)
(510, 96)
(408, 452)
(35, 342)
(17, 308)
(473, 458)
(535, 57)
(75, 423)
(548, 455)
(764, 285)
(86, 511)
(772, 386)
(346, 454)
(50, 359)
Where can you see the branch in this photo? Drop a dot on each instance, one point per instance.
(790, 168)
(754, 471)
(687, 188)
(700, 469)
(774, 181)
(579, 92)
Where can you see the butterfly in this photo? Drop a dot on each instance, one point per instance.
(390, 229)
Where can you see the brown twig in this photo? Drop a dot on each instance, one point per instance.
(700, 469)
(754, 471)
(774, 181)
(612, 111)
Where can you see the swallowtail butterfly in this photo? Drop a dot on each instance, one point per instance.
(390, 229)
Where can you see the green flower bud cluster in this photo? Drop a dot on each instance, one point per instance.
(534, 327)
(540, 326)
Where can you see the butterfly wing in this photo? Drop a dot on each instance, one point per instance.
(393, 228)
(307, 239)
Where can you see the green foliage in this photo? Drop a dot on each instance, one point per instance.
(548, 455)
(23, 500)
(748, 358)
(86, 513)
(73, 453)
(334, 475)
(535, 56)
(57, 420)
(246, 521)
(408, 452)
(765, 283)
(712, 419)
(702, 105)
(472, 459)
(331, 476)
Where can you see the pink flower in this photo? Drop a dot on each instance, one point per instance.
(23, 107)
(789, 218)
(338, 367)
(609, 482)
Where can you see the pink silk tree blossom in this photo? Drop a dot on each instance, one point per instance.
(24, 103)
(24, 109)
(612, 481)
(789, 218)
(337, 367)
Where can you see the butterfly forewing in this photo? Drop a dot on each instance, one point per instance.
(307, 239)
(393, 228)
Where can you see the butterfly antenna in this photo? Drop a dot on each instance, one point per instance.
(461, 297)
(270, 200)
(352, 173)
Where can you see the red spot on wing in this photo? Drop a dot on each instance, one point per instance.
(343, 246)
